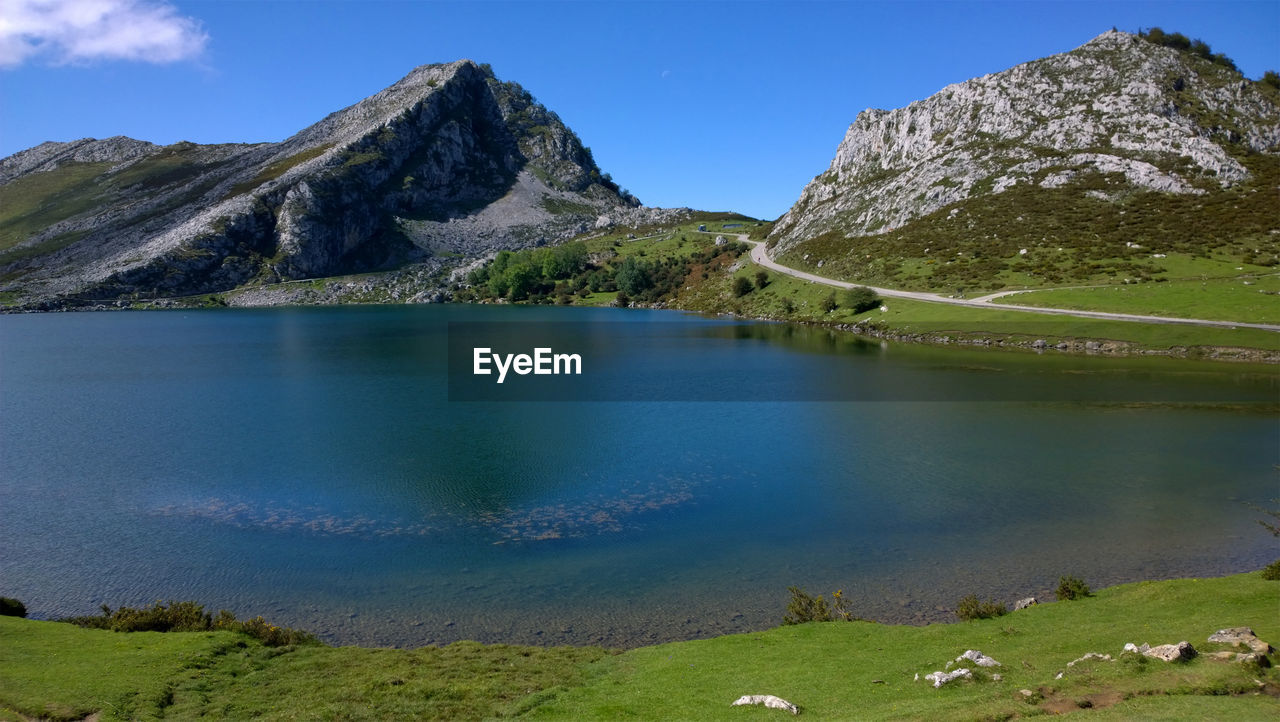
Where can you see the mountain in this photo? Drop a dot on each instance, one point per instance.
(1119, 143)
(443, 167)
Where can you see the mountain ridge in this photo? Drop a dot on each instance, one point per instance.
(1164, 120)
(403, 177)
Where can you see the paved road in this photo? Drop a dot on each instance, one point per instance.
(761, 258)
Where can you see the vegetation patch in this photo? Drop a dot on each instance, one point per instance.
(277, 169)
(1032, 237)
(34, 202)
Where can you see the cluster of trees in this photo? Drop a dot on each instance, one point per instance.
(1195, 46)
(519, 275)
(557, 274)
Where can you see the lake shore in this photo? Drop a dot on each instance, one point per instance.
(827, 669)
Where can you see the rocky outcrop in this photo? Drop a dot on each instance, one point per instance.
(766, 700)
(446, 166)
(977, 658)
(49, 156)
(1088, 657)
(940, 678)
(1152, 117)
(1241, 637)
(1164, 652)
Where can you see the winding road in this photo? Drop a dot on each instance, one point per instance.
(760, 257)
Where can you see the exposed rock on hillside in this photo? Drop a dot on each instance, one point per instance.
(446, 165)
(1150, 117)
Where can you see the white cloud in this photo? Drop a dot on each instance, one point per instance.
(76, 31)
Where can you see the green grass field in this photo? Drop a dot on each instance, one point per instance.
(830, 669)
(1254, 299)
(59, 671)
(907, 316)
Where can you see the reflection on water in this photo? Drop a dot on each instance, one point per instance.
(305, 464)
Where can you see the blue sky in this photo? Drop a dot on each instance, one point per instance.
(714, 105)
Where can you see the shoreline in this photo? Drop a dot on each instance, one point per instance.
(976, 338)
(549, 632)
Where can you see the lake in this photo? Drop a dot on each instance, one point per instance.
(318, 467)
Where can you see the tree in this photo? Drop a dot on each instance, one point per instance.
(741, 286)
(861, 298)
(1271, 78)
(564, 261)
(633, 276)
(762, 279)
(521, 278)
(829, 303)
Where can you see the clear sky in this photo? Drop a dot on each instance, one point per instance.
(714, 105)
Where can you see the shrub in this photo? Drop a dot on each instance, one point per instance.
(969, 608)
(10, 607)
(804, 608)
(861, 298)
(1271, 571)
(1072, 588)
(189, 617)
(829, 303)
(741, 286)
(762, 279)
(1271, 78)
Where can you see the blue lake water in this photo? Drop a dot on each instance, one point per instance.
(308, 465)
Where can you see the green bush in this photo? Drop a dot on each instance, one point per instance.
(969, 608)
(10, 607)
(189, 617)
(829, 303)
(762, 279)
(741, 286)
(1072, 588)
(804, 608)
(860, 299)
(1272, 571)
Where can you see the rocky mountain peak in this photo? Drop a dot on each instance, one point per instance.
(1119, 106)
(447, 164)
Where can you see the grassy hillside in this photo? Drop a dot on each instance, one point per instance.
(833, 670)
(1093, 230)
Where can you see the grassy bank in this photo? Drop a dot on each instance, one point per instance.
(788, 298)
(832, 670)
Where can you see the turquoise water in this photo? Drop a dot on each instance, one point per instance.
(308, 465)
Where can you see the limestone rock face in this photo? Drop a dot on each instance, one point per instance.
(1116, 105)
(443, 167)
